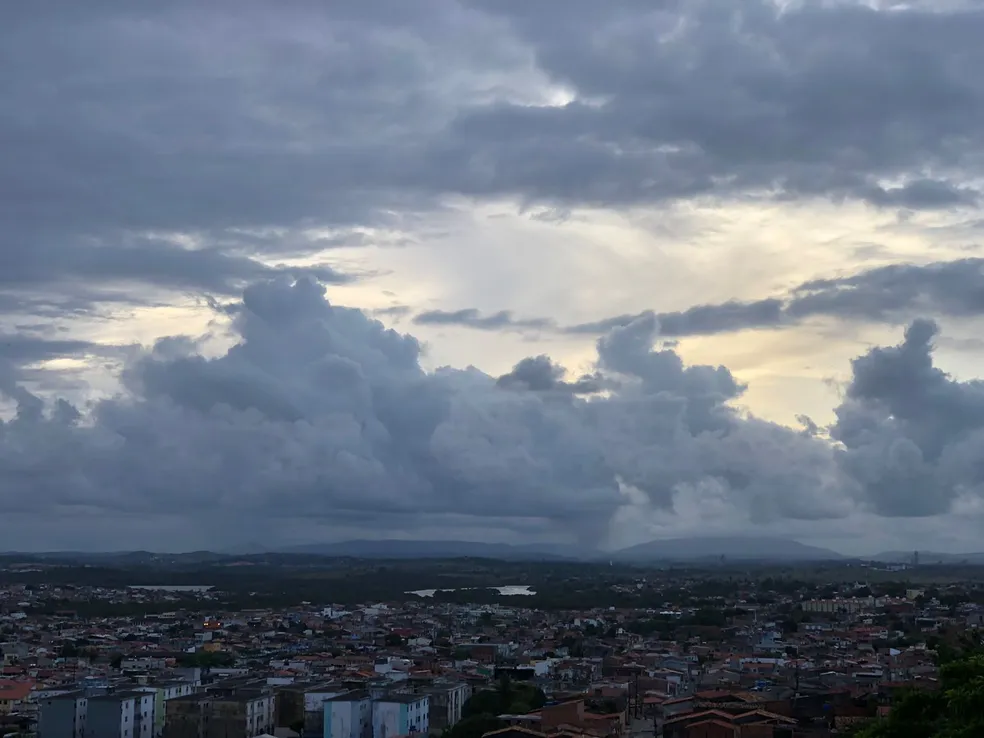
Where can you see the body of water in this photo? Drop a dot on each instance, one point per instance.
(508, 590)
(174, 587)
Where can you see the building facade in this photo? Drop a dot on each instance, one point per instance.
(63, 715)
(400, 715)
(115, 716)
(348, 716)
(446, 703)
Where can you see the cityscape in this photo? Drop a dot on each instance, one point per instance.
(687, 648)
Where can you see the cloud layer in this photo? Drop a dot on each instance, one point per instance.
(248, 154)
(320, 412)
(184, 146)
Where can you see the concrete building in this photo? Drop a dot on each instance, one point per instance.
(400, 715)
(163, 692)
(446, 702)
(244, 713)
(302, 703)
(120, 715)
(63, 715)
(349, 715)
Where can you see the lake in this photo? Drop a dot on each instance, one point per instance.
(506, 590)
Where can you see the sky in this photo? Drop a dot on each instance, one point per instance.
(563, 271)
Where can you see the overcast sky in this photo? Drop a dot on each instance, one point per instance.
(573, 271)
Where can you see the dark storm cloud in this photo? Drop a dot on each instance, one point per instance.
(129, 120)
(319, 411)
(679, 98)
(913, 436)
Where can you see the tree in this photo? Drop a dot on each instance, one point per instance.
(475, 726)
(955, 711)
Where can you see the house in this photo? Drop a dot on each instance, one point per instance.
(13, 694)
(721, 724)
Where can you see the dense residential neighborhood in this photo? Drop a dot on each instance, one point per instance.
(765, 659)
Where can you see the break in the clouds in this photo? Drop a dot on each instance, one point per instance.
(893, 293)
(571, 172)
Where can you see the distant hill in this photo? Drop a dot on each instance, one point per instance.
(927, 557)
(678, 549)
(403, 549)
(734, 548)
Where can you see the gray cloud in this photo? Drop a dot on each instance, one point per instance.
(177, 146)
(127, 124)
(945, 288)
(540, 374)
(473, 318)
(821, 99)
(321, 413)
(25, 348)
(699, 320)
(913, 437)
(922, 194)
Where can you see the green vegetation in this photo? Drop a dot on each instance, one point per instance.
(481, 711)
(955, 711)
(207, 659)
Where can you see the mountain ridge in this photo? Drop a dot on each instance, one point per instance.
(671, 549)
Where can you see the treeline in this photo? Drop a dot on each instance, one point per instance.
(956, 710)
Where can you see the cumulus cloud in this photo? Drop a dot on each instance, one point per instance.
(177, 147)
(541, 374)
(319, 412)
(912, 436)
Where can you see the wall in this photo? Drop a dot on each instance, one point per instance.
(106, 718)
(62, 718)
(348, 719)
(184, 718)
(710, 730)
(314, 714)
(389, 719)
(145, 715)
